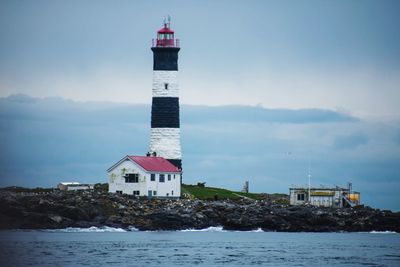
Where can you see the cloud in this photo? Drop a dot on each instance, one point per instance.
(201, 114)
(48, 140)
(351, 141)
(396, 137)
(300, 64)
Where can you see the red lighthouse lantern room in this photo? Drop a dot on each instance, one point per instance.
(165, 36)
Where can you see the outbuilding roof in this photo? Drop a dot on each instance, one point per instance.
(155, 164)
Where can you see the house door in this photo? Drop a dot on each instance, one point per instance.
(150, 193)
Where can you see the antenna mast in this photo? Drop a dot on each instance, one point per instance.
(167, 22)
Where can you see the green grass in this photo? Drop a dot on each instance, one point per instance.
(208, 193)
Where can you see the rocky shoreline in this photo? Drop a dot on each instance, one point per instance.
(56, 210)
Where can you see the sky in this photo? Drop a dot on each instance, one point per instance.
(267, 88)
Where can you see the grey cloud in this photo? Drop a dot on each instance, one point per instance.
(396, 138)
(350, 141)
(26, 107)
(45, 141)
(200, 114)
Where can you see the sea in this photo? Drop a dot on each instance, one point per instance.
(213, 246)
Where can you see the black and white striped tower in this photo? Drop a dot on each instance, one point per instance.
(165, 131)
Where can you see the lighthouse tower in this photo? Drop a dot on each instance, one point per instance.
(165, 132)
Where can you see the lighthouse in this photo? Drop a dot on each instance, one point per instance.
(165, 123)
(159, 174)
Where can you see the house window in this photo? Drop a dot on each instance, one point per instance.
(166, 86)
(169, 177)
(152, 177)
(174, 176)
(154, 193)
(118, 192)
(300, 197)
(172, 192)
(132, 178)
(136, 193)
(162, 178)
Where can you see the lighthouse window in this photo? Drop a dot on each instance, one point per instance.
(166, 86)
(132, 178)
(162, 178)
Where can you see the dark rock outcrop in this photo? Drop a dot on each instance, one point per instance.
(84, 209)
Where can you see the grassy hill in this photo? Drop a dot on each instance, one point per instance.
(209, 193)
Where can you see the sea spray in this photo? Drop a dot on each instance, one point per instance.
(92, 229)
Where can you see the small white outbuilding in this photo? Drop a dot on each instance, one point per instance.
(148, 176)
(74, 186)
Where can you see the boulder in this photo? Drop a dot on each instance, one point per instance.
(84, 209)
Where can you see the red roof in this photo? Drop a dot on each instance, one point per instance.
(155, 164)
(165, 30)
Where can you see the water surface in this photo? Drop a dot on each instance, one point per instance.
(211, 247)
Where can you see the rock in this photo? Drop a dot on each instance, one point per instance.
(200, 215)
(85, 209)
(56, 218)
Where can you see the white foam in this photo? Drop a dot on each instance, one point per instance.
(383, 232)
(92, 229)
(209, 229)
(132, 229)
(259, 230)
(221, 229)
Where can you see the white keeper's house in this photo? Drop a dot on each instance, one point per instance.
(148, 176)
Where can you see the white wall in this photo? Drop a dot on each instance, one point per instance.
(322, 201)
(167, 187)
(116, 179)
(161, 77)
(166, 142)
(293, 197)
(79, 187)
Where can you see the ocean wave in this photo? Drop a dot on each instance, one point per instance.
(132, 229)
(104, 229)
(92, 229)
(259, 230)
(382, 232)
(209, 229)
(220, 229)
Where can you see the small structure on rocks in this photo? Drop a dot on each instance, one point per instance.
(148, 176)
(246, 187)
(324, 197)
(69, 186)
